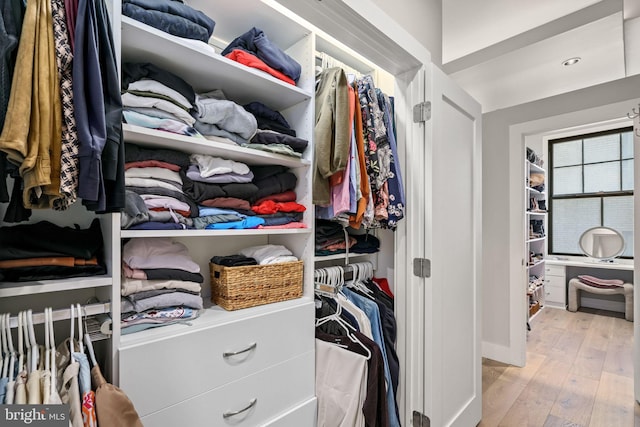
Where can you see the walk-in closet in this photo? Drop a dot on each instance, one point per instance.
(236, 259)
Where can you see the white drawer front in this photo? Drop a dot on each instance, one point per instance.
(555, 281)
(300, 416)
(162, 373)
(554, 270)
(555, 294)
(276, 390)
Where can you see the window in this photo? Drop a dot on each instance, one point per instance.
(591, 185)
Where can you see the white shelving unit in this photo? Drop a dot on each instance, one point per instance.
(534, 243)
(143, 354)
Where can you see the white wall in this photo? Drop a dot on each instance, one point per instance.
(422, 19)
(498, 333)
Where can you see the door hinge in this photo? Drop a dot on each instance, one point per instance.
(420, 420)
(422, 112)
(422, 267)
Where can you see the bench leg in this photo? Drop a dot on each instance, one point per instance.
(574, 299)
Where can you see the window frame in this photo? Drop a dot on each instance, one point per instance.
(601, 195)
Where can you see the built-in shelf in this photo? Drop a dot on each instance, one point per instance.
(126, 234)
(14, 289)
(537, 239)
(204, 69)
(535, 168)
(160, 139)
(535, 264)
(210, 316)
(534, 191)
(340, 257)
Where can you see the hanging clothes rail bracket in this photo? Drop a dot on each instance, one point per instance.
(65, 314)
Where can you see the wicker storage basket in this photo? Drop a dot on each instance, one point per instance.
(233, 288)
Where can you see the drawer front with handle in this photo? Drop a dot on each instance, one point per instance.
(161, 373)
(555, 295)
(251, 401)
(554, 270)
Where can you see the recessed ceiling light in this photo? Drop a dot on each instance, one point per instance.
(571, 61)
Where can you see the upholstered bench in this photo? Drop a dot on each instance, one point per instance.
(575, 286)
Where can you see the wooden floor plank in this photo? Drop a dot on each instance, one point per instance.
(579, 373)
(536, 400)
(575, 399)
(614, 403)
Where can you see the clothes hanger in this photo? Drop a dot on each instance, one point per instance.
(72, 315)
(346, 326)
(12, 351)
(20, 342)
(80, 329)
(52, 352)
(35, 350)
(89, 343)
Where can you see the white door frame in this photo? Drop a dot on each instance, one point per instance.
(514, 352)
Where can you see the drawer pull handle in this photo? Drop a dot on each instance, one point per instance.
(235, 353)
(238, 412)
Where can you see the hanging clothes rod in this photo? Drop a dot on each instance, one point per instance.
(65, 314)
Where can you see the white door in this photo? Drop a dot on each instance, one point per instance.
(452, 388)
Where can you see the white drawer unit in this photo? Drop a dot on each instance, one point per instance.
(164, 372)
(555, 286)
(250, 401)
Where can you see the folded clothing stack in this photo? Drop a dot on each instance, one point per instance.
(255, 50)
(41, 251)
(256, 255)
(171, 16)
(161, 284)
(601, 283)
(274, 133)
(168, 189)
(223, 120)
(330, 239)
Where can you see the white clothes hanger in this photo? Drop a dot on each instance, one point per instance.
(52, 351)
(20, 342)
(80, 329)
(47, 349)
(33, 345)
(12, 351)
(72, 333)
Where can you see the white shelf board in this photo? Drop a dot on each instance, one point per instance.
(14, 289)
(125, 234)
(538, 239)
(161, 139)
(205, 70)
(536, 213)
(534, 191)
(535, 264)
(210, 316)
(535, 168)
(340, 257)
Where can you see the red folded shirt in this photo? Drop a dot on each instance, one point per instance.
(244, 57)
(270, 207)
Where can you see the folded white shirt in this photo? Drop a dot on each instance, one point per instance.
(210, 165)
(131, 100)
(149, 252)
(154, 172)
(269, 254)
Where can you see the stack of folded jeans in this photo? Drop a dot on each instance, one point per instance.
(171, 16)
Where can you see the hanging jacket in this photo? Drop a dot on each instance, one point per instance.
(32, 129)
(331, 132)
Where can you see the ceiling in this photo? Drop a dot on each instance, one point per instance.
(508, 52)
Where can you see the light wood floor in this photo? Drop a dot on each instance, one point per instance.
(579, 373)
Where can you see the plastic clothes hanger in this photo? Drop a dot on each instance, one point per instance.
(4, 352)
(52, 352)
(80, 329)
(33, 345)
(20, 342)
(12, 351)
(72, 315)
